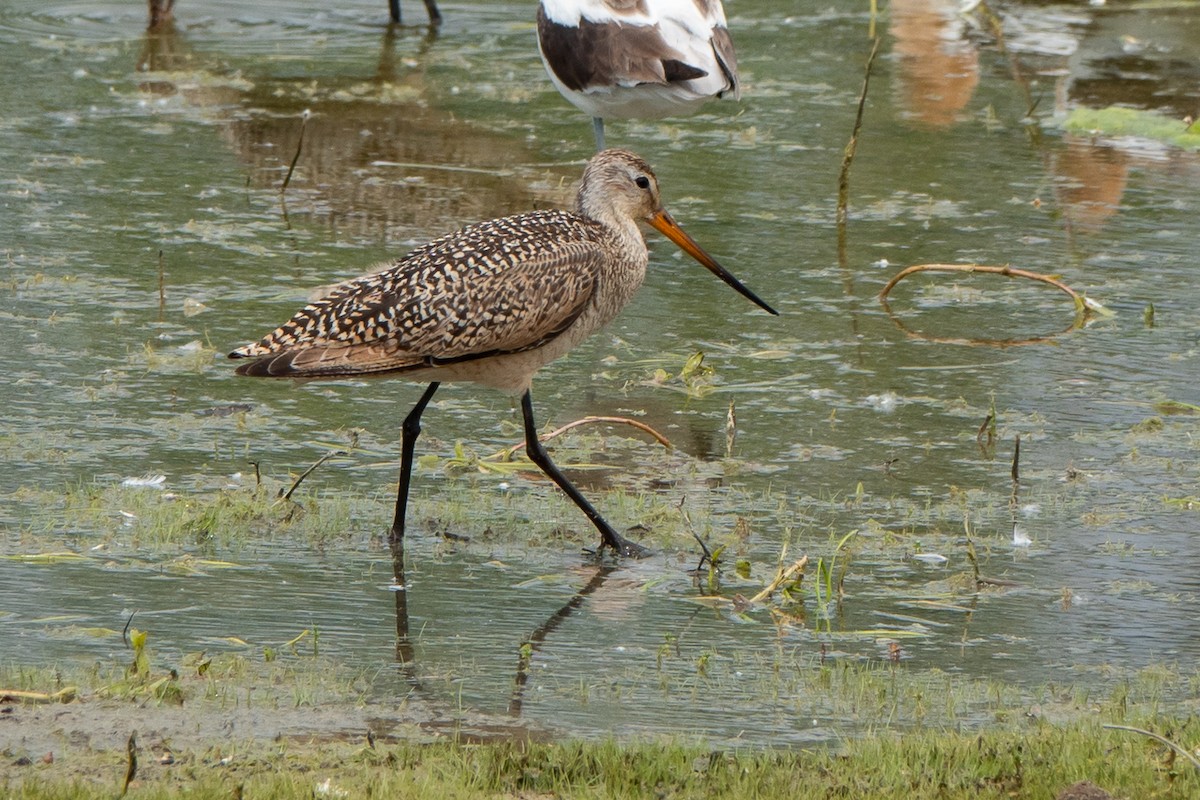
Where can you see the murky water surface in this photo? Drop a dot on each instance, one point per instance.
(143, 237)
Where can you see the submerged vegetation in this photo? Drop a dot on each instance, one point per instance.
(1116, 121)
(312, 727)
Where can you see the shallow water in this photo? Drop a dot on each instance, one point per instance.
(125, 155)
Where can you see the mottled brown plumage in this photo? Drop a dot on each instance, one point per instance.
(499, 287)
(491, 303)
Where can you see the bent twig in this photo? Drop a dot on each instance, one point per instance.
(641, 426)
(782, 576)
(1164, 740)
(296, 483)
(299, 144)
(852, 145)
(1081, 303)
(1084, 306)
(65, 695)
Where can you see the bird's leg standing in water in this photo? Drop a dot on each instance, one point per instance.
(435, 16)
(598, 129)
(409, 432)
(465, 306)
(539, 456)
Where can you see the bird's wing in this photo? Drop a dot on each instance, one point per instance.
(722, 44)
(617, 50)
(484, 291)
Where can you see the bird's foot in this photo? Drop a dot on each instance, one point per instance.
(621, 546)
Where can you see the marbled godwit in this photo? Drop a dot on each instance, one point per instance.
(491, 303)
(637, 58)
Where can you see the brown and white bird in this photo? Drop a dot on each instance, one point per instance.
(629, 59)
(491, 303)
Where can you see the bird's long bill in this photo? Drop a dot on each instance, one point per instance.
(665, 224)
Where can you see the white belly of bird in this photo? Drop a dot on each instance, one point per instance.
(686, 30)
(645, 100)
(513, 373)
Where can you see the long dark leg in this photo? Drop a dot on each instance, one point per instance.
(409, 432)
(435, 16)
(408, 442)
(537, 453)
(394, 8)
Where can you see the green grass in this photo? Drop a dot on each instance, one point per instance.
(1036, 760)
(1025, 749)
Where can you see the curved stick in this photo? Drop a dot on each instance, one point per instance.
(296, 483)
(1164, 740)
(1084, 306)
(1081, 302)
(641, 426)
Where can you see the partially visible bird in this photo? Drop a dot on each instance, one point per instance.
(491, 303)
(435, 16)
(637, 58)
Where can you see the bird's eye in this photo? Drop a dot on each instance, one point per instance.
(642, 181)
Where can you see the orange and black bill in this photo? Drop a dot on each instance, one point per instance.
(665, 224)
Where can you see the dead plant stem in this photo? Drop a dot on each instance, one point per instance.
(1164, 740)
(299, 144)
(296, 484)
(852, 145)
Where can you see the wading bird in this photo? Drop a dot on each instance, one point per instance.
(621, 59)
(161, 12)
(637, 58)
(435, 16)
(491, 303)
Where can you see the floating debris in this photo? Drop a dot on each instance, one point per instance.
(225, 411)
(192, 307)
(885, 402)
(147, 480)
